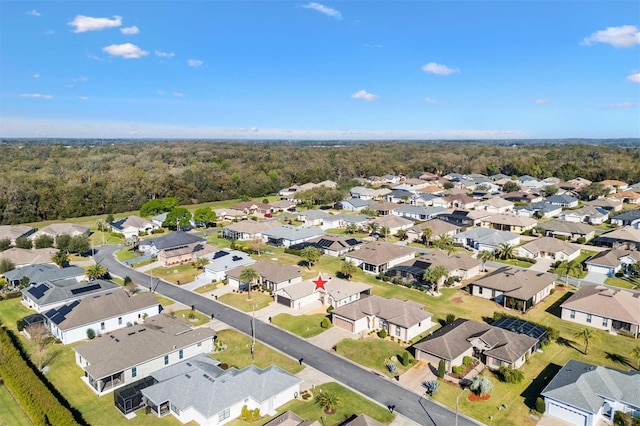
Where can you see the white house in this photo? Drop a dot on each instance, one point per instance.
(223, 261)
(132, 225)
(327, 290)
(376, 257)
(610, 262)
(486, 239)
(273, 276)
(548, 248)
(287, 235)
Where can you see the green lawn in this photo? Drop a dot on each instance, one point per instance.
(125, 254)
(239, 300)
(11, 414)
(514, 262)
(179, 274)
(619, 282)
(207, 288)
(198, 318)
(373, 352)
(164, 301)
(117, 280)
(238, 353)
(304, 326)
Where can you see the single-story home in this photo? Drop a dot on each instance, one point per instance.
(509, 222)
(283, 205)
(355, 204)
(51, 294)
(44, 272)
(418, 212)
(287, 235)
(12, 233)
(127, 355)
(485, 239)
(461, 201)
(197, 390)
(496, 205)
(568, 230)
(610, 262)
(132, 225)
(588, 214)
(627, 218)
(56, 229)
(583, 394)
(398, 195)
(607, 308)
(438, 227)
(392, 223)
(522, 197)
(313, 217)
(223, 261)
(384, 208)
(548, 248)
(176, 248)
(332, 245)
(514, 288)
(494, 346)
(563, 200)
(614, 185)
(248, 229)
(610, 204)
(376, 257)
(273, 276)
(103, 313)
(459, 265)
(539, 209)
(402, 319)
(368, 193)
(251, 208)
(22, 257)
(330, 291)
(628, 196)
(627, 237)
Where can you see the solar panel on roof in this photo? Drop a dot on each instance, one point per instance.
(38, 291)
(85, 289)
(219, 254)
(236, 258)
(351, 241)
(325, 243)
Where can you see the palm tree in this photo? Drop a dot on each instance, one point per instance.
(480, 385)
(60, 258)
(310, 254)
(249, 276)
(351, 228)
(95, 271)
(504, 251)
(200, 262)
(348, 269)
(434, 275)
(567, 268)
(385, 231)
(445, 242)
(586, 335)
(635, 353)
(373, 227)
(328, 400)
(484, 256)
(426, 235)
(402, 234)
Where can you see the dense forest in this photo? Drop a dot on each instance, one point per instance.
(56, 181)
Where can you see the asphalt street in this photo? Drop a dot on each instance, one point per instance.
(369, 383)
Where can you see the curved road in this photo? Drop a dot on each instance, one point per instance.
(376, 387)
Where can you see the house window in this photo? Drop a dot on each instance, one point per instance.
(102, 326)
(224, 414)
(605, 322)
(175, 409)
(180, 354)
(573, 314)
(119, 320)
(134, 372)
(398, 329)
(166, 359)
(588, 317)
(479, 290)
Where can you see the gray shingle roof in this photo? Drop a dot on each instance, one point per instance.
(404, 313)
(557, 225)
(172, 240)
(270, 271)
(608, 302)
(61, 291)
(377, 253)
(515, 282)
(292, 233)
(42, 272)
(338, 289)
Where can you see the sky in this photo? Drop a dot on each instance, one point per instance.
(358, 69)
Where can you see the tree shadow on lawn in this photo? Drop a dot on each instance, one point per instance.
(620, 359)
(555, 309)
(532, 392)
(568, 343)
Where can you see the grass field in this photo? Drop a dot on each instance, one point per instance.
(125, 254)
(11, 414)
(239, 300)
(619, 282)
(179, 274)
(197, 320)
(374, 353)
(207, 288)
(304, 326)
(163, 301)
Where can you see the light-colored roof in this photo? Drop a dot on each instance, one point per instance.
(132, 222)
(20, 256)
(487, 236)
(518, 283)
(438, 226)
(550, 245)
(587, 386)
(510, 220)
(613, 182)
(13, 232)
(460, 261)
(558, 225)
(132, 346)
(56, 229)
(377, 253)
(608, 302)
(338, 289)
(626, 233)
(99, 307)
(404, 313)
(496, 202)
(392, 221)
(270, 271)
(612, 257)
(632, 195)
(384, 206)
(42, 272)
(364, 420)
(253, 227)
(292, 233)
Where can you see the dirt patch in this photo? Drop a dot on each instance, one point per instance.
(473, 397)
(457, 300)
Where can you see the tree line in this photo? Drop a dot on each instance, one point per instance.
(55, 181)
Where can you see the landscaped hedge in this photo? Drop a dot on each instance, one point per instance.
(10, 295)
(33, 395)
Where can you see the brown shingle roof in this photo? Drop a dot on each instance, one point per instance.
(515, 282)
(270, 271)
(404, 313)
(377, 253)
(608, 302)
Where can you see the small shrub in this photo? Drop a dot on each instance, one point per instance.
(509, 374)
(442, 368)
(457, 369)
(325, 323)
(406, 359)
(581, 240)
(450, 318)
(392, 368)
(467, 361)
(431, 386)
(553, 290)
(20, 324)
(330, 309)
(540, 405)
(91, 333)
(382, 333)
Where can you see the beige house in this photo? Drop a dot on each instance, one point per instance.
(273, 276)
(56, 229)
(393, 223)
(336, 292)
(248, 229)
(132, 225)
(606, 308)
(438, 227)
(402, 319)
(377, 257)
(459, 265)
(12, 233)
(548, 248)
(509, 222)
(496, 205)
(22, 257)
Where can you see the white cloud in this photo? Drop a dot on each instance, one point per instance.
(33, 12)
(83, 98)
(430, 100)
(439, 69)
(126, 50)
(362, 94)
(95, 58)
(541, 101)
(130, 30)
(621, 105)
(634, 78)
(35, 96)
(622, 36)
(164, 54)
(195, 63)
(36, 75)
(323, 9)
(87, 23)
(178, 94)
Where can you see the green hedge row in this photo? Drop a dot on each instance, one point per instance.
(35, 398)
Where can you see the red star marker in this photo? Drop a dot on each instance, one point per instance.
(319, 282)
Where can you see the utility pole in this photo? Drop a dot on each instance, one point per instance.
(253, 332)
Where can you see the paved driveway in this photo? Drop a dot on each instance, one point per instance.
(541, 265)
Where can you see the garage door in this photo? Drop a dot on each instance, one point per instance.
(342, 323)
(284, 301)
(568, 415)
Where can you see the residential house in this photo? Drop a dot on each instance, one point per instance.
(496, 205)
(522, 197)
(102, 313)
(254, 208)
(438, 227)
(494, 346)
(549, 248)
(313, 217)
(614, 185)
(333, 292)
(43, 272)
(132, 226)
(273, 276)
(499, 176)
(530, 182)
(514, 288)
(462, 201)
(56, 229)
(289, 418)
(583, 394)
(464, 218)
(425, 199)
(485, 239)
(568, 230)
(333, 245)
(12, 233)
(283, 205)
(359, 220)
(610, 262)
(196, 390)
(398, 196)
(384, 208)
(127, 355)
(176, 248)
(368, 193)
(355, 204)
(22, 257)
(50, 294)
(428, 176)
(402, 319)
(607, 308)
(459, 265)
(610, 204)
(291, 192)
(230, 214)
(588, 214)
(392, 223)
(412, 184)
(538, 210)
(630, 217)
(628, 196)
(287, 235)
(627, 237)
(377, 257)
(418, 212)
(579, 181)
(248, 229)
(563, 200)
(509, 222)
(225, 260)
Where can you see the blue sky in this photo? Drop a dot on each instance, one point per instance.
(320, 70)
